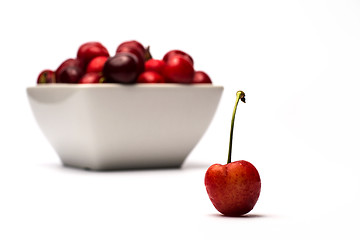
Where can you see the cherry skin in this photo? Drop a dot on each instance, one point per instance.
(201, 77)
(46, 76)
(150, 77)
(133, 43)
(91, 78)
(70, 74)
(122, 68)
(90, 50)
(132, 49)
(155, 65)
(138, 53)
(67, 63)
(94, 43)
(96, 64)
(178, 70)
(171, 53)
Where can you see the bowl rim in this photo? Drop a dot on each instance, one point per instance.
(117, 85)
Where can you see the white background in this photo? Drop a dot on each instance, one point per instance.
(297, 61)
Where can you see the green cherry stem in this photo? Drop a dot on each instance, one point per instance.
(240, 95)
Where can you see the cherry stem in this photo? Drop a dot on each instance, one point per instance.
(240, 95)
(148, 55)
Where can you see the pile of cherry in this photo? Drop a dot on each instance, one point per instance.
(132, 63)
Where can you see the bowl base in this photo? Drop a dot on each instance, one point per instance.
(120, 168)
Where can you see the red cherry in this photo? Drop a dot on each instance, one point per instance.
(134, 43)
(67, 63)
(201, 77)
(150, 77)
(70, 74)
(46, 76)
(90, 50)
(122, 68)
(155, 65)
(233, 188)
(90, 78)
(96, 64)
(131, 49)
(178, 70)
(171, 53)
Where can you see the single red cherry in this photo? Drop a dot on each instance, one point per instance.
(233, 188)
(178, 70)
(150, 77)
(201, 77)
(90, 50)
(134, 50)
(155, 65)
(91, 77)
(122, 68)
(133, 43)
(96, 64)
(46, 76)
(67, 63)
(171, 53)
(70, 74)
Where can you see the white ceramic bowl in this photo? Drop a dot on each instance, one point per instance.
(113, 126)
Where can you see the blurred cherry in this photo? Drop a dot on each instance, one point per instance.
(201, 77)
(150, 77)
